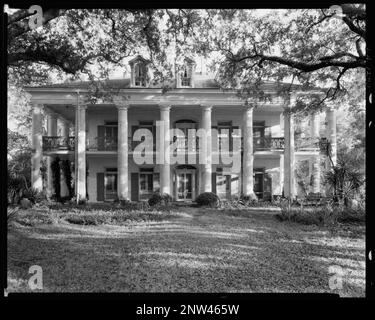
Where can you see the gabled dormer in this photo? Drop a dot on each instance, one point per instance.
(139, 72)
(185, 74)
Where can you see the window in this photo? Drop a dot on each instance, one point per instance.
(139, 75)
(186, 76)
(110, 184)
(107, 137)
(146, 183)
(224, 134)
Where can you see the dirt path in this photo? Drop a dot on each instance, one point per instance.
(200, 251)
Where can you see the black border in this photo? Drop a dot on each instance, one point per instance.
(171, 299)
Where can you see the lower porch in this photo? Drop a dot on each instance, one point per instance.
(186, 181)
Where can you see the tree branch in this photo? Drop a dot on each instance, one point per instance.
(20, 25)
(324, 62)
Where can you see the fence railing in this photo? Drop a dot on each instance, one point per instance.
(54, 143)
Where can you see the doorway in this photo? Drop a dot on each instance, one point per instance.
(185, 184)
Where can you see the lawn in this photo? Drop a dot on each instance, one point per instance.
(191, 250)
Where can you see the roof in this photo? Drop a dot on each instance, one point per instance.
(200, 82)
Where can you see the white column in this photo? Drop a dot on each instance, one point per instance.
(207, 149)
(248, 153)
(331, 134)
(315, 161)
(65, 134)
(52, 132)
(81, 154)
(65, 129)
(289, 179)
(37, 126)
(281, 175)
(165, 173)
(122, 153)
(76, 121)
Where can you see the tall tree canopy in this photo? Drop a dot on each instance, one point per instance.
(313, 47)
(73, 40)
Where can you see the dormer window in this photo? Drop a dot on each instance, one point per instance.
(139, 75)
(139, 72)
(186, 75)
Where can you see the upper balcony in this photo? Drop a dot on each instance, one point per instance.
(55, 143)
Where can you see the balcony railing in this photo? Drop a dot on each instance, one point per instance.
(307, 144)
(102, 144)
(268, 143)
(53, 143)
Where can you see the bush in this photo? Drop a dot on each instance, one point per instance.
(160, 199)
(322, 216)
(208, 199)
(34, 195)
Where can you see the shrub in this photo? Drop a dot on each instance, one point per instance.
(208, 199)
(34, 195)
(160, 199)
(327, 215)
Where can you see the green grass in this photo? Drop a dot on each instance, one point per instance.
(183, 250)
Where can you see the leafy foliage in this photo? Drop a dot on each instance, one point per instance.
(307, 47)
(158, 198)
(345, 181)
(207, 199)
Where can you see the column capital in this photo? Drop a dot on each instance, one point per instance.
(330, 107)
(37, 106)
(248, 107)
(206, 107)
(82, 106)
(51, 113)
(122, 106)
(165, 106)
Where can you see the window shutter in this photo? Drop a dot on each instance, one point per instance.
(231, 137)
(196, 184)
(154, 137)
(134, 143)
(213, 182)
(267, 187)
(100, 186)
(101, 137)
(215, 140)
(228, 186)
(134, 186)
(156, 182)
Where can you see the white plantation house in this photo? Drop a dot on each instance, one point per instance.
(98, 139)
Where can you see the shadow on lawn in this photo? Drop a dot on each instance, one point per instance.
(209, 253)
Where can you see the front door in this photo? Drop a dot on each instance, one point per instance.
(185, 185)
(258, 184)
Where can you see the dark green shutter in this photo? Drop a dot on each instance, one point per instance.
(213, 182)
(134, 143)
(135, 186)
(101, 137)
(100, 186)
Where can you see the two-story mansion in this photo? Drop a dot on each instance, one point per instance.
(97, 139)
